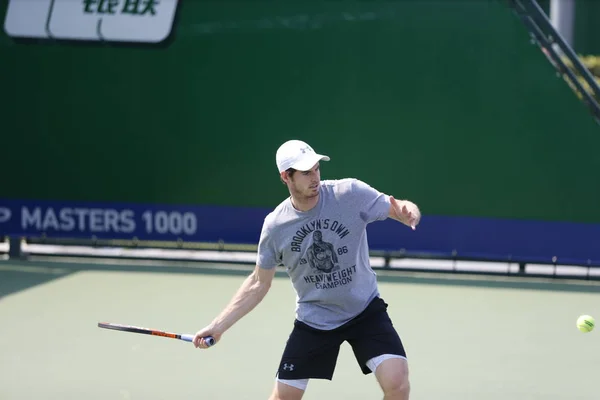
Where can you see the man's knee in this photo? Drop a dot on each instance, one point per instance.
(392, 375)
(397, 389)
(289, 390)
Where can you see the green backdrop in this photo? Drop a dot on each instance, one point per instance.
(443, 102)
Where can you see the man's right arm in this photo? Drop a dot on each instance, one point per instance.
(251, 292)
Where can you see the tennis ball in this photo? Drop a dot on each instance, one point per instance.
(585, 323)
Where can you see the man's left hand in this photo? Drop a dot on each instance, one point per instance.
(406, 212)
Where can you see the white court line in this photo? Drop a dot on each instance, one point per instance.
(575, 270)
(195, 255)
(199, 255)
(250, 258)
(451, 265)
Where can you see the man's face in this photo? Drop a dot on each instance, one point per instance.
(304, 184)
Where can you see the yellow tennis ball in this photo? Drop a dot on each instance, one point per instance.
(585, 323)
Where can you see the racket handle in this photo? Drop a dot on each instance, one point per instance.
(210, 341)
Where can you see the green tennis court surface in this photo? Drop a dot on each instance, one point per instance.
(466, 339)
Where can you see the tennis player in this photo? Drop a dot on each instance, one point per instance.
(319, 235)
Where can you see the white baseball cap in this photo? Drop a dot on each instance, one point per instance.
(298, 155)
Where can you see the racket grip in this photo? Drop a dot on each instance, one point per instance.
(210, 341)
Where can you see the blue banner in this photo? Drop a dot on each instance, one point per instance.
(126, 221)
(485, 238)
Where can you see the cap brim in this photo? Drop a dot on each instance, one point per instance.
(309, 162)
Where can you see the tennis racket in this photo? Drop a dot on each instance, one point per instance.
(210, 341)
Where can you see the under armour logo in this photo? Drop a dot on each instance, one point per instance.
(305, 149)
(288, 367)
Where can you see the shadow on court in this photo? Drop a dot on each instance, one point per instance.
(17, 275)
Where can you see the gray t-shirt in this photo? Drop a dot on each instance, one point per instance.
(325, 251)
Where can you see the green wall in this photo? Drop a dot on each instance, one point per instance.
(446, 103)
(587, 28)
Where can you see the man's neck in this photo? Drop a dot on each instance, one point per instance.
(305, 204)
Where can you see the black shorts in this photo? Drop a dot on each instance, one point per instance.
(313, 353)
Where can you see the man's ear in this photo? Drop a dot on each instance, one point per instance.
(284, 176)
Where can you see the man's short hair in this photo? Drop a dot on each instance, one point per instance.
(290, 172)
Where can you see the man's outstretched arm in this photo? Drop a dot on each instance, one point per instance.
(251, 292)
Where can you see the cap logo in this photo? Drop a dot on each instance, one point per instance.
(305, 149)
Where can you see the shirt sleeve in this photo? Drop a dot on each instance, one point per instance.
(268, 257)
(373, 205)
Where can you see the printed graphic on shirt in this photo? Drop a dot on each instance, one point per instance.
(331, 280)
(324, 262)
(321, 255)
(319, 224)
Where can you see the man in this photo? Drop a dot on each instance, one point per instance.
(319, 235)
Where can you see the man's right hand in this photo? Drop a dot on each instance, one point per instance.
(199, 341)
(252, 291)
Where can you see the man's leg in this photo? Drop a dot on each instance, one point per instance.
(392, 375)
(289, 390)
(309, 353)
(379, 349)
